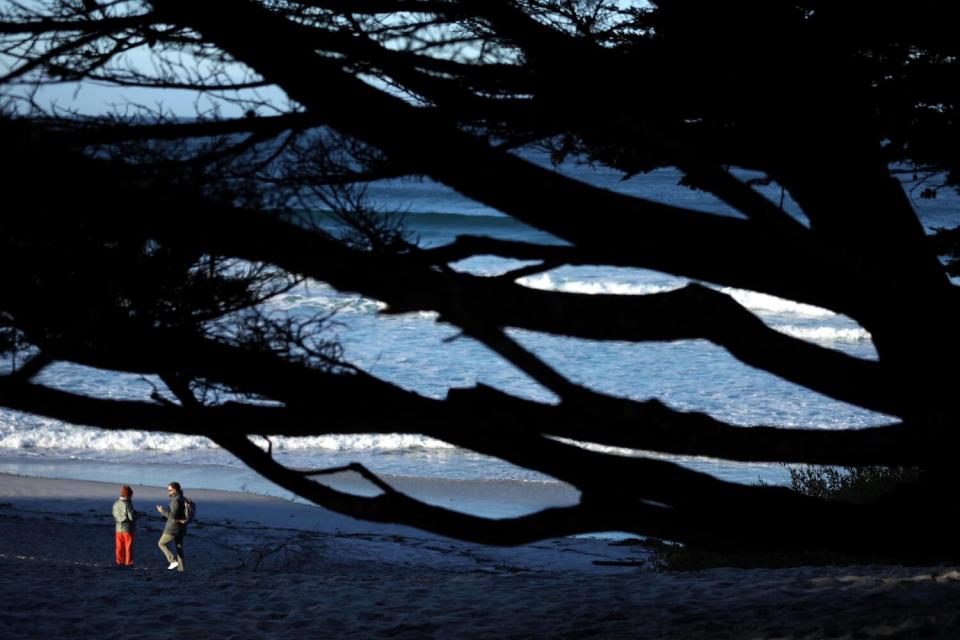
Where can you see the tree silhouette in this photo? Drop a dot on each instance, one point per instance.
(169, 235)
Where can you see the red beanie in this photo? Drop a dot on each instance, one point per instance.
(126, 491)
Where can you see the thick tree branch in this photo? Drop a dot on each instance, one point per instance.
(715, 248)
(703, 509)
(570, 65)
(395, 507)
(98, 26)
(372, 7)
(112, 132)
(687, 314)
(690, 313)
(592, 418)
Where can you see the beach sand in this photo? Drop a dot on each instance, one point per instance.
(266, 567)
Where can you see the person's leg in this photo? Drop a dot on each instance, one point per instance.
(119, 548)
(179, 545)
(164, 541)
(128, 548)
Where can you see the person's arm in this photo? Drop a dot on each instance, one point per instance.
(130, 514)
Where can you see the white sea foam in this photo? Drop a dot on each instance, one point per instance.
(42, 433)
(826, 334)
(46, 434)
(765, 303)
(361, 442)
(320, 298)
(546, 282)
(321, 302)
(755, 301)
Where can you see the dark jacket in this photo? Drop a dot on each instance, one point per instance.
(176, 512)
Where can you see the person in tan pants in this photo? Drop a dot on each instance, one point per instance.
(175, 528)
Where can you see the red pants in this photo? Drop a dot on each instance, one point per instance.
(125, 547)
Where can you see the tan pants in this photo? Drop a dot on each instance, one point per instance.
(165, 539)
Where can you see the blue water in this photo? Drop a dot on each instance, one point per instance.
(418, 353)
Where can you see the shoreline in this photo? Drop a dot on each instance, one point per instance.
(236, 512)
(496, 498)
(266, 567)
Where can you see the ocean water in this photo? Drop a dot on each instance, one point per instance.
(419, 353)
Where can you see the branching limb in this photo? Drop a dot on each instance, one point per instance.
(410, 285)
(530, 270)
(704, 509)
(357, 468)
(32, 367)
(543, 44)
(98, 26)
(48, 56)
(395, 507)
(688, 313)
(108, 132)
(529, 192)
(603, 420)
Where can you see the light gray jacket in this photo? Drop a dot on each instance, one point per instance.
(123, 515)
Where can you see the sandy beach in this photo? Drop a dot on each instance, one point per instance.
(266, 567)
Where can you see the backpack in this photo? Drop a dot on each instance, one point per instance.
(189, 510)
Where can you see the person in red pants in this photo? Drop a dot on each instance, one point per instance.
(124, 516)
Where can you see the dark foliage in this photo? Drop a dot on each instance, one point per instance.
(852, 484)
